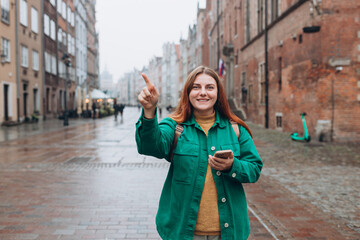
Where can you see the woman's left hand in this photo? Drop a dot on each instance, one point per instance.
(221, 164)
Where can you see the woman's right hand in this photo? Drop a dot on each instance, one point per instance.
(148, 98)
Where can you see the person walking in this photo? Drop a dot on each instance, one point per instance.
(94, 109)
(203, 196)
(116, 109)
(121, 110)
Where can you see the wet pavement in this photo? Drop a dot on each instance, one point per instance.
(87, 181)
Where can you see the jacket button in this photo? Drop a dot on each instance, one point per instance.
(226, 225)
(223, 199)
(233, 175)
(212, 148)
(218, 173)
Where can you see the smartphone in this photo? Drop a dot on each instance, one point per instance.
(223, 154)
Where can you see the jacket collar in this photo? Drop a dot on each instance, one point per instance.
(219, 120)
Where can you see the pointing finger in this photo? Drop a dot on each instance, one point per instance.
(149, 84)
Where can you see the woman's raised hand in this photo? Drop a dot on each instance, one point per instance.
(148, 98)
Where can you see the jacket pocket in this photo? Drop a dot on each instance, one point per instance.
(185, 162)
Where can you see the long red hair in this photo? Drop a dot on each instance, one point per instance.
(184, 109)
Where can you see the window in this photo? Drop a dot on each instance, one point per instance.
(24, 56)
(68, 16)
(23, 13)
(63, 12)
(59, 6)
(35, 60)
(53, 65)
(46, 25)
(278, 117)
(64, 38)
(5, 11)
(262, 82)
(261, 16)
(73, 46)
(69, 43)
(52, 30)
(274, 9)
(72, 19)
(247, 28)
(52, 2)
(47, 62)
(5, 49)
(34, 20)
(60, 35)
(61, 68)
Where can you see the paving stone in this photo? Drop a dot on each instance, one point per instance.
(306, 191)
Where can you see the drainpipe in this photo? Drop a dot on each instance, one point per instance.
(43, 61)
(17, 61)
(266, 68)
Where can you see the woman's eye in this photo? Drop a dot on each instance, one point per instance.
(211, 87)
(195, 87)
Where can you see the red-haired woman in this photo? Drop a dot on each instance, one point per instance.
(202, 197)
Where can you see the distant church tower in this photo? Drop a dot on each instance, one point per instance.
(106, 80)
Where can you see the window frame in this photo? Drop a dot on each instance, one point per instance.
(46, 25)
(34, 20)
(24, 56)
(24, 13)
(5, 11)
(35, 60)
(5, 45)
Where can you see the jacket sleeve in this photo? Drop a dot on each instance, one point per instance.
(247, 167)
(153, 138)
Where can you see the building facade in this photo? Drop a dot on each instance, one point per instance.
(92, 81)
(39, 74)
(9, 97)
(29, 32)
(81, 55)
(51, 42)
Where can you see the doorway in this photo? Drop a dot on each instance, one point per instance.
(6, 102)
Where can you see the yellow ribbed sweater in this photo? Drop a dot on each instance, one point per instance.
(208, 222)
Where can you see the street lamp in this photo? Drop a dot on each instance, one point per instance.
(67, 61)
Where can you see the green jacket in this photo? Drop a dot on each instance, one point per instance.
(181, 194)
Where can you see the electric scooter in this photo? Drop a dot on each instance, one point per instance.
(295, 136)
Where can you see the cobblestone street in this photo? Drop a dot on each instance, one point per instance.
(87, 181)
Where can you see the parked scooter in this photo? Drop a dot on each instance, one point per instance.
(295, 136)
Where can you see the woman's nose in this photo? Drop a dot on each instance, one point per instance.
(203, 91)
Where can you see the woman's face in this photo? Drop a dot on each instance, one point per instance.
(203, 94)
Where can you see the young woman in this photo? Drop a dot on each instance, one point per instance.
(202, 197)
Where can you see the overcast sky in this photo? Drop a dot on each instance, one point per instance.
(131, 32)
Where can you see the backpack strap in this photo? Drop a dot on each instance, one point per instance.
(178, 130)
(235, 127)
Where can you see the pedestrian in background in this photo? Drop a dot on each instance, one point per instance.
(94, 109)
(116, 109)
(203, 196)
(121, 110)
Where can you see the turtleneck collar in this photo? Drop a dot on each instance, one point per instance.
(204, 119)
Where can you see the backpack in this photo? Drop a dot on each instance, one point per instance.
(179, 129)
